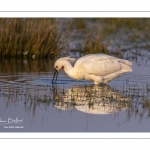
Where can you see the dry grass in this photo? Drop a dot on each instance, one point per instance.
(94, 43)
(38, 37)
(43, 38)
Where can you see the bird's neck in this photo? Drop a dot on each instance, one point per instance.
(70, 71)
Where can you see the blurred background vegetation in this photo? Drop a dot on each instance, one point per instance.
(38, 38)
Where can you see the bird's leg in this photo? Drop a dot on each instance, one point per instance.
(104, 83)
(97, 80)
(111, 76)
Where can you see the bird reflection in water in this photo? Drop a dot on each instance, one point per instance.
(91, 99)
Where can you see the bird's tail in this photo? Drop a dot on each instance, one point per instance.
(125, 62)
(126, 66)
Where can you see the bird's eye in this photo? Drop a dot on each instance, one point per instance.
(56, 66)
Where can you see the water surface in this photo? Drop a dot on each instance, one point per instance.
(29, 102)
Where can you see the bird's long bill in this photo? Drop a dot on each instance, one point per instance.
(55, 74)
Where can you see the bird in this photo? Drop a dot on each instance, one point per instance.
(97, 68)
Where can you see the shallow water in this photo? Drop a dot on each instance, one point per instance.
(29, 102)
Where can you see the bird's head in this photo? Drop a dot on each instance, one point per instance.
(60, 64)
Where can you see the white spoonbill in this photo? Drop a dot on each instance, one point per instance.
(99, 68)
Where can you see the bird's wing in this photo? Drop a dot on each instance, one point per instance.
(99, 65)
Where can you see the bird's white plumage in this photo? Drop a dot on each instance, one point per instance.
(99, 68)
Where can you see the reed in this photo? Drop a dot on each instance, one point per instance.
(31, 38)
(47, 37)
(94, 43)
